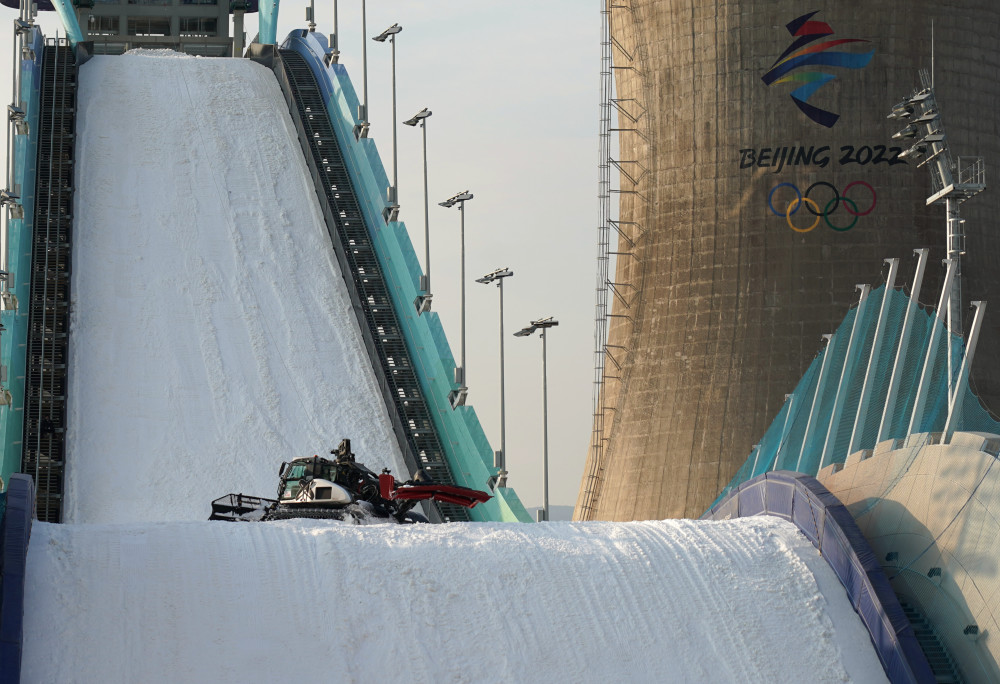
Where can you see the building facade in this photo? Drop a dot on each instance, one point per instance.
(759, 183)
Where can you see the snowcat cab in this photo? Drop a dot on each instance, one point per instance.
(340, 489)
(311, 481)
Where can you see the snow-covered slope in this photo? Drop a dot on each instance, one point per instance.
(211, 336)
(322, 601)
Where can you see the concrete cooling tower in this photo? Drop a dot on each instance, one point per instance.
(756, 183)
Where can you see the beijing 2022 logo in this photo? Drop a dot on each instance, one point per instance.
(801, 54)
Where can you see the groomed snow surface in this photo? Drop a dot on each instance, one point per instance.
(212, 336)
(212, 339)
(323, 601)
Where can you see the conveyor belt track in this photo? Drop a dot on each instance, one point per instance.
(415, 430)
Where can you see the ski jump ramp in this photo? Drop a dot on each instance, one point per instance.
(748, 600)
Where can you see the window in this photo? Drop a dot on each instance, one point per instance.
(149, 26)
(199, 26)
(102, 26)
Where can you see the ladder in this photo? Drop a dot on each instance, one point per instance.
(44, 449)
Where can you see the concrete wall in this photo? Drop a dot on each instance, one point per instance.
(724, 304)
(930, 512)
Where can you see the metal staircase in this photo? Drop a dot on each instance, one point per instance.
(944, 668)
(43, 450)
(415, 430)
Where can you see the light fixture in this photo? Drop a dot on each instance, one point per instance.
(452, 201)
(418, 117)
(496, 275)
(17, 117)
(914, 152)
(391, 31)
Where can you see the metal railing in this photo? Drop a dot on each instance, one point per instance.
(413, 426)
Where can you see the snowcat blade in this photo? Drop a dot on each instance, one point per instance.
(240, 507)
(460, 496)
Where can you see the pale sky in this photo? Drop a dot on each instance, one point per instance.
(514, 87)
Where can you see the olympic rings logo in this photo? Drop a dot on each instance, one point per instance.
(830, 206)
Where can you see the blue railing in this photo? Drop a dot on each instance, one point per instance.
(821, 517)
(15, 531)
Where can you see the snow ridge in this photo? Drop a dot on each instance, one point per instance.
(677, 601)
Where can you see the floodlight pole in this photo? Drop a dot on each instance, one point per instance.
(543, 324)
(462, 381)
(391, 212)
(500, 457)
(393, 193)
(502, 475)
(422, 302)
(335, 36)
(364, 56)
(950, 184)
(457, 396)
(426, 285)
(545, 429)
(361, 129)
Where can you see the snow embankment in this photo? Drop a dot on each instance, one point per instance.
(212, 336)
(746, 600)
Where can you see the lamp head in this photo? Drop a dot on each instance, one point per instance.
(418, 117)
(391, 31)
(452, 201)
(540, 324)
(495, 275)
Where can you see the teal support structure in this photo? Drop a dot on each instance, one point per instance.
(66, 12)
(468, 452)
(913, 398)
(13, 340)
(267, 22)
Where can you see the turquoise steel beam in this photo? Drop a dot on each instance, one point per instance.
(790, 400)
(904, 341)
(920, 403)
(861, 416)
(814, 408)
(268, 22)
(64, 8)
(955, 404)
(846, 372)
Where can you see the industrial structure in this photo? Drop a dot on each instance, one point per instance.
(754, 181)
(750, 181)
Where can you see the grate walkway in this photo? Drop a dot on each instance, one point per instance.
(417, 435)
(48, 318)
(944, 668)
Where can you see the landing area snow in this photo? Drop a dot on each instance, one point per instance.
(212, 335)
(673, 601)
